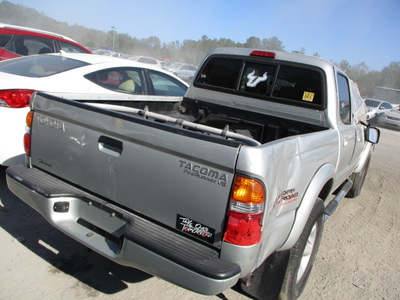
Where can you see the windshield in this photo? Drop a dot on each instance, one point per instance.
(39, 65)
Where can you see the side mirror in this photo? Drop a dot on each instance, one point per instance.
(372, 135)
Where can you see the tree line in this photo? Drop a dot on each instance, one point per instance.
(189, 51)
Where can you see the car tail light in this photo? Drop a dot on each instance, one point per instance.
(15, 98)
(263, 53)
(27, 136)
(246, 210)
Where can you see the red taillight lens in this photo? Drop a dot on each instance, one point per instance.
(263, 53)
(27, 136)
(27, 143)
(15, 98)
(246, 212)
(243, 229)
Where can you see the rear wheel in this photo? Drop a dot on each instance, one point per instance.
(302, 254)
(284, 274)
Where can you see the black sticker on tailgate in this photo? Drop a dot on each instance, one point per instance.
(194, 228)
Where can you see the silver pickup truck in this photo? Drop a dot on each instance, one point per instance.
(232, 185)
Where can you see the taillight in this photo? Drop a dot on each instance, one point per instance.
(263, 53)
(27, 136)
(27, 143)
(246, 210)
(15, 98)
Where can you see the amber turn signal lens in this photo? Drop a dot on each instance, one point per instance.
(248, 190)
(29, 119)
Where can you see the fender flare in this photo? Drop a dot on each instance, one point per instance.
(321, 177)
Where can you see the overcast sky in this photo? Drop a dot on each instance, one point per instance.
(356, 30)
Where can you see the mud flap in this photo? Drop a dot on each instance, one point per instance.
(266, 281)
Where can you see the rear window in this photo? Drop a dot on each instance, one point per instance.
(39, 65)
(272, 81)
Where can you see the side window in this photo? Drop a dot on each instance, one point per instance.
(221, 72)
(165, 85)
(67, 47)
(386, 106)
(28, 45)
(123, 80)
(344, 99)
(4, 39)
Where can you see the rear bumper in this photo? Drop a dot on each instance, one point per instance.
(122, 236)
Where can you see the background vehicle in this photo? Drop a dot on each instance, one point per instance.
(113, 78)
(16, 41)
(377, 107)
(390, 119)
(146, 60)
(234, 185)
(184, 71)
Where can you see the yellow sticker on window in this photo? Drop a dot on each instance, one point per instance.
(308, 96)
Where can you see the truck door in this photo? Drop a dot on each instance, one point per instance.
(345, 125)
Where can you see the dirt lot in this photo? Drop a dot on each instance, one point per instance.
(357, 258)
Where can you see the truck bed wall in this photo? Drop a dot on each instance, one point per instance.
(263, 128)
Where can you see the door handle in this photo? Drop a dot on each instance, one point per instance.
(110, 146)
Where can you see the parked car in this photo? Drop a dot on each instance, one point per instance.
(16, 41)
(390, 119)
(116, 78)
(146, 60)
(184, 71)
(376, 107)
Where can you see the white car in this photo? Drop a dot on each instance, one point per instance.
(90, 76)
(377, 107)
(183, 71)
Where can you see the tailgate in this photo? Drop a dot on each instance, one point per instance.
(174, 176)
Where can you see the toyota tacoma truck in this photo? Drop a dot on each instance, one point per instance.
(232, 185)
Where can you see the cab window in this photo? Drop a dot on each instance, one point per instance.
(344, 99)
(292, 84)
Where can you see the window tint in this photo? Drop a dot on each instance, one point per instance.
(264, 79)
(67, 47)
(39, 66)
(165, 85)
(4, 39)
(386, 105)
(221, 72)
(257, 79)
(123, 80)
(28, 45)
(298, 84)
(344, 99)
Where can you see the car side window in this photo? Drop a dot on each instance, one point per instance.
(4, 39)
(344, 99)
(386, 106)
(28, 45)
(67, 47)
(123, 80)
(165, 85)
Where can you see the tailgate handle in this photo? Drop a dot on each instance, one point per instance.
(110, 146)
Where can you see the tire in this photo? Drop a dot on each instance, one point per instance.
(276, 277)
(358, 179)
(302, 254)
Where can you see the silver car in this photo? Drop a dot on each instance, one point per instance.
(390, 119)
